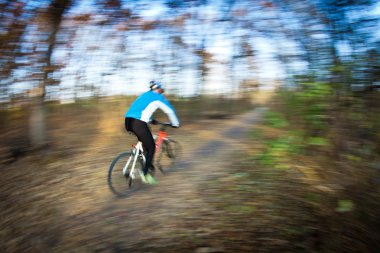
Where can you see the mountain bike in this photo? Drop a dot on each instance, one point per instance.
(124, 174)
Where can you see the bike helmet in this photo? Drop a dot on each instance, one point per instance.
(154, 85)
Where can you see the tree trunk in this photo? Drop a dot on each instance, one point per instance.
(50, 24)
(37, 124)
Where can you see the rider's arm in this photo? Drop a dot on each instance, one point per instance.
(165, 106)
(169, 110)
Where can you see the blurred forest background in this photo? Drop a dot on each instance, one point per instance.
(65, 51)
(85, 61)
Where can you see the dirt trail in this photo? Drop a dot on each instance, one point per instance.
(69, 208)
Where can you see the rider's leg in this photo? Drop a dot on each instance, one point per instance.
(143, 133)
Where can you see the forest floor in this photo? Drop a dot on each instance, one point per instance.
(214, 199)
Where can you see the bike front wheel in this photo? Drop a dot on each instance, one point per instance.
(122, 180)
(167, 155)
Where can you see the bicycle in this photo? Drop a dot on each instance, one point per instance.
(124, 174)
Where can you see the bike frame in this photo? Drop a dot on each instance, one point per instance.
(136, 151)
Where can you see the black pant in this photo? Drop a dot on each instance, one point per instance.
(143, 133)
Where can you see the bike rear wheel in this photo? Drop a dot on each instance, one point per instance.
(121, 185)
(167, 155)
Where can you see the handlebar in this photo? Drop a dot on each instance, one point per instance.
(164, 124)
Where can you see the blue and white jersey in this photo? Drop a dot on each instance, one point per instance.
(145, 105)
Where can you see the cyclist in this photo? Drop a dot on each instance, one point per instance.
(139, 115)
